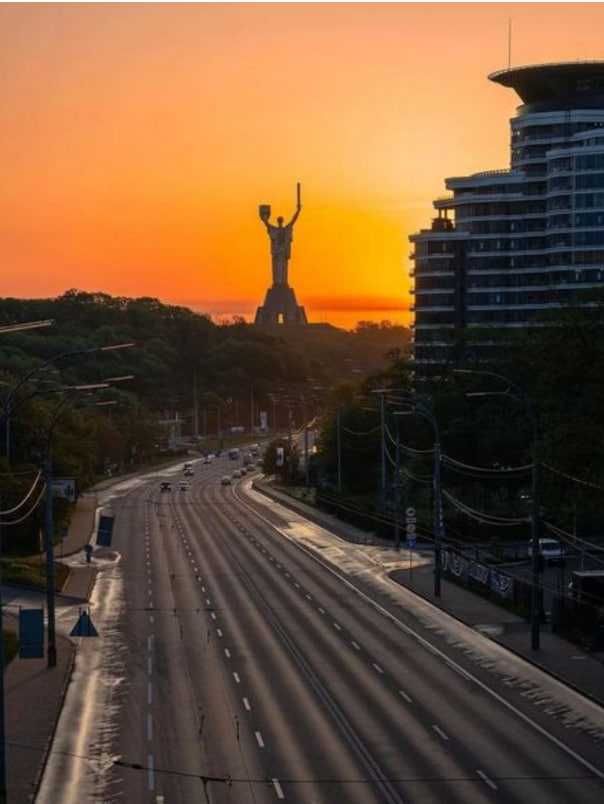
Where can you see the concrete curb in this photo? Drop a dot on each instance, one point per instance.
(282, 499)
(51, 736)
(543, 668)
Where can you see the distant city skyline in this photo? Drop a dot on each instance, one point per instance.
(140, 139)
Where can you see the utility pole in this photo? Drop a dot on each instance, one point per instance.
(397, 488)
(306, 468)
(50, 562)
(195, 407)
(252, 410)
(383, 434)
(3, 798)
(339, 448)
(438, 516)
(536, 558)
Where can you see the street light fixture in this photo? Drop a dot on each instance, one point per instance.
(27, 325)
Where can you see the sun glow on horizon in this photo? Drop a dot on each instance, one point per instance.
(141, 139)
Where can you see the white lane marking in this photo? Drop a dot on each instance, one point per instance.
(213, 616)
(259, 739)
(321, 610)
(150, 773)
(405, 696)
(236, 677)
(296, 584)
(246, 703)
(149, 693)
(227, 653)
(355, 645)
(208, 601)
(439, 731)
(219, 632)
(151, 619)
(451, 663)
(149, 665)
(309, 597)
(337, 627)
(203, 589)
(486, 779)
(150, 642)
(159, 800)
(277, 787)
(149, 727)
(378, 668)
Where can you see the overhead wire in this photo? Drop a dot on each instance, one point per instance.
(6, 523)
(25, 499)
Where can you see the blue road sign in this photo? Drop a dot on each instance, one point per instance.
(105, 530)
(31, 633)
(411, 541)
(84, 627)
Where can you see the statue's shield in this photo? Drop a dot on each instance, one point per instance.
(265, 211)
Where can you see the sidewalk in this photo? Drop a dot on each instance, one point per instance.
(33, 693)
(562, 659)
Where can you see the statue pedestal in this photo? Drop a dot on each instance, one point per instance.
(280, 307)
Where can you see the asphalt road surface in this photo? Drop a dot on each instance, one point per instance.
(233, 666)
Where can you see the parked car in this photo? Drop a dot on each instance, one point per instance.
(551, 549)
(184, 486)
(189, 473)
(236, 474)
(165, 486)
(225, 480)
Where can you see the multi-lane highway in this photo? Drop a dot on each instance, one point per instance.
(235, 666)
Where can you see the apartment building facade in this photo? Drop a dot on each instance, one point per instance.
(508, 245)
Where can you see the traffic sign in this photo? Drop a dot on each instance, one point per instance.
(31, 633)
(84, 627)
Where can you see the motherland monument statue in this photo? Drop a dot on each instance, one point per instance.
(280, 305)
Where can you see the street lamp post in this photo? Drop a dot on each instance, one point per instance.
(514, 392)
(438, 524)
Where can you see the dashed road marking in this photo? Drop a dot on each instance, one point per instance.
(149, 693)
(337, 627)
(236, 677)
(212, 615)
(486, 779)
(149, 727)
(246, 703)
(277, 787)
(322, 611)
(219, 632)
(439, 731)
(355, 645)
(227, 653)
(378, 668)
(259, 739)
(150, 772)
(405, 696)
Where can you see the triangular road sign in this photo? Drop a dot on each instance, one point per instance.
(84, 627)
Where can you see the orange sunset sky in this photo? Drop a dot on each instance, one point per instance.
(137, 141)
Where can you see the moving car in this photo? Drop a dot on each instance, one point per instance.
(236, 474)
(165, 486)
(225, 480)
(551, 549)
(189, 473)
(184, 486)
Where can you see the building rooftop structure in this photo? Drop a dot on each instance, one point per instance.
(558, 83)
(510, 247)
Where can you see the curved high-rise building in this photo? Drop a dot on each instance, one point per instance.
(510, 244)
